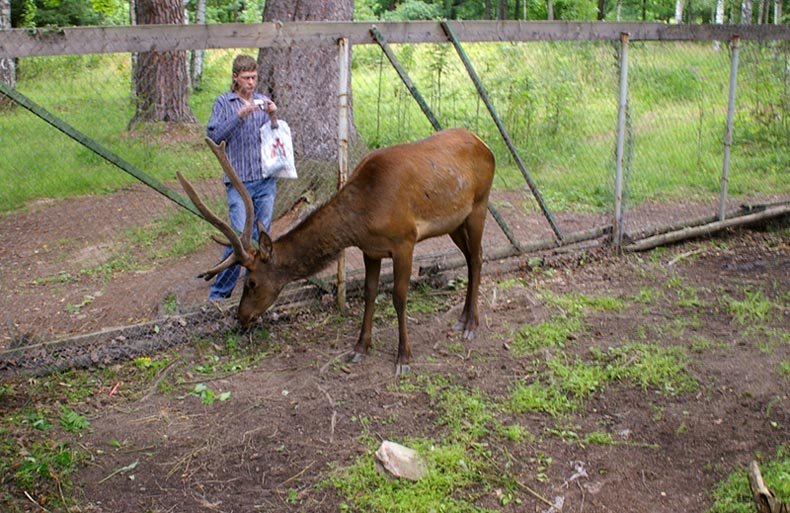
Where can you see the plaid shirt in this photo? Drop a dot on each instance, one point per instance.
(242, 136)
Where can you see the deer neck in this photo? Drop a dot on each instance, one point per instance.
(313, 244)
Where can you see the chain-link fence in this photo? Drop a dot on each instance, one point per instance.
(86, 247)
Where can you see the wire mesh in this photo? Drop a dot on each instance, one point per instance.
(85, 247)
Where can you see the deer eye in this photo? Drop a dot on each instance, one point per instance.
(251, 283)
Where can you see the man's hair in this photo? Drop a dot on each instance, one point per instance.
(242, 63)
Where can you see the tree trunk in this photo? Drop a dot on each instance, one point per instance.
(549, 10)
(777, 12)
(197, 55)
(678, 11)
(161, 78)
(7, 65)
(746, 12)
(303, 81)
(601, 10)
(488, 10)
(502, 11)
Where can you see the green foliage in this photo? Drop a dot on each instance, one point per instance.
(551, 333)
(45, 462)
(62, 13)
(537, 397)
(650, 366)
(208, 396)
(413, 10)
(72, 421)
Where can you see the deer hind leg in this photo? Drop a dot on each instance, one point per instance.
(401, 267)
(468, 237)
(372, 271)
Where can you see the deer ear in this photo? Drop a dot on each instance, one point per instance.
(265, 242)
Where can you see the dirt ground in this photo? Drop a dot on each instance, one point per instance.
(301, 414)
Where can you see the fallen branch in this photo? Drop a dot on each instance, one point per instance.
(763, 497)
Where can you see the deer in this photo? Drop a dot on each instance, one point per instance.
(396, 197)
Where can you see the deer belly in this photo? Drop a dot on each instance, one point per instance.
(428, 228)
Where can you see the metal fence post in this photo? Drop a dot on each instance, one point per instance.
(621, 114)
(342, 152)
(725, 169)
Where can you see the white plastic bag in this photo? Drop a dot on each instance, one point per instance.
(277, 151)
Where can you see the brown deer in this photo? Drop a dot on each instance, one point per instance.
(395, 197)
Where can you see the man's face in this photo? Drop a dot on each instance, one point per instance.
(247, 80)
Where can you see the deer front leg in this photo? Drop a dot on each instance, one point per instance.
(372, 271)
(401, 264)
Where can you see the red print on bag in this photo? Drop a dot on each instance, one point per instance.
(278, 148)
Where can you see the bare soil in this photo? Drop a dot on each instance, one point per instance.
(300, 415)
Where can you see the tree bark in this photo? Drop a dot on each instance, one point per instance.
(601, 10)
(197, 55)
(746, 12)
(161, 78)
(7, 65)
(502, 10)
(303, 81)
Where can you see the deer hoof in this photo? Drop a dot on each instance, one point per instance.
(401, 368)
(468, 334)
(356, 357)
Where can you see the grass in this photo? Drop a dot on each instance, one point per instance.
(450, 472)
(559, 105)
(754, 307)
(733, 495)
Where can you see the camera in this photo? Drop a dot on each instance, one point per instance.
(260, 103)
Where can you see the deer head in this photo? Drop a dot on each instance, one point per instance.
(262, 285)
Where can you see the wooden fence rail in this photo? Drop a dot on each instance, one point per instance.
(144, 38)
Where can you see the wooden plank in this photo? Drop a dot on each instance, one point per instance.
(143, 38)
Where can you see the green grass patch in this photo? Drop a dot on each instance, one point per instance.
(452, 475)
(754, 307)
(733, 495)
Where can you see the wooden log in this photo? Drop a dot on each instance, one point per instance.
(687, 233)
(765, 500)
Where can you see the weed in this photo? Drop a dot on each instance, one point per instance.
(467, 414)
(208, 396)
(38, 420)
(537, 397)
(784, 368)
(754, 307)
(44, 463)
(552, 333)
(516, 433)
(72, 421)
(170, 305)
(598, 438)
(510, 283)
(75, 309)
(688, 297)
(647, 296)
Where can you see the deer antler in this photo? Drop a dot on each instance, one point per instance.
(242, 247)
